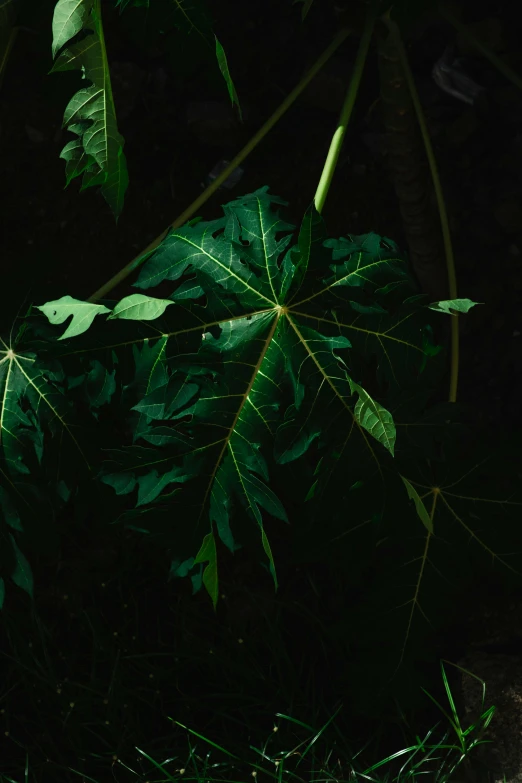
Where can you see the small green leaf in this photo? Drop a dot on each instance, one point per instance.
(83, 314)
(459, 305)
(100, 384)
(208, 554)
(122, 483)
(223, 67)
(152, 485)
(419, 506)
(180, 569)
(268, 552)
(374, 418)
(139, 307)
(69, 18)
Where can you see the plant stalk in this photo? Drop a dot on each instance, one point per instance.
(346, 111)
(240, 157)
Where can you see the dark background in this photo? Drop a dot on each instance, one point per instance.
(56, 242)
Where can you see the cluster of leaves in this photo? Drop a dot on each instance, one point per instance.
(304, 365)
(97, 153)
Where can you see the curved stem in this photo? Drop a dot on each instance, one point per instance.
(346, 111)
(441, 204)
(240, 157)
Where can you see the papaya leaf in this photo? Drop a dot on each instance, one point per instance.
(458, 305)
(97, 153)
(139, 307)
(2, 593)
(223, 67)
(419, 506)
(268, 552)
(208, 554)
(70, 17)
(28, 398)
(39, 451)
(100, 386)
(472, 496)
(254, 362)
(374, 418)
(474, 507)
(83, 314)
(309, 244)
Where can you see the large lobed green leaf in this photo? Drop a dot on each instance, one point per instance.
(270, 346)
(37, 472)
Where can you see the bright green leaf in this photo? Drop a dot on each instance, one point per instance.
(139, 307)
(69, 18)
(223, 67)
(374, 418)
(29, 399)
(459, 305)
(83, 314)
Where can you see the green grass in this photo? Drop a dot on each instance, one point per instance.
(295, 752)
(131, 679)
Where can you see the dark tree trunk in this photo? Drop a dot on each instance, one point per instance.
(410, 173)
